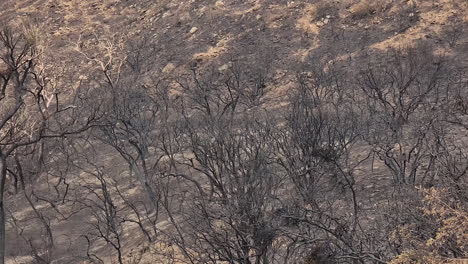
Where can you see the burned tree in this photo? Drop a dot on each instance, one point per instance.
(32, 111)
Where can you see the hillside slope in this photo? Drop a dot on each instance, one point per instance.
(203, 35)
(203, 31)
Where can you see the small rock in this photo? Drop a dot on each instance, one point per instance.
(193, 30)
(167, 14)
(320, 23)
(219, 4)
(223, 68)
(185, 17)
(168, 68)
(258, 17)
(325, 21)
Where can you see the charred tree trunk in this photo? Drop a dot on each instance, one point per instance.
(3, 173)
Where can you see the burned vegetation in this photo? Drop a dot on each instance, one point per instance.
(360, 160)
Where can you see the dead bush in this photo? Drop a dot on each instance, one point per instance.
(405, 15)
(322, 9)
(448, 243)
(366, 8)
